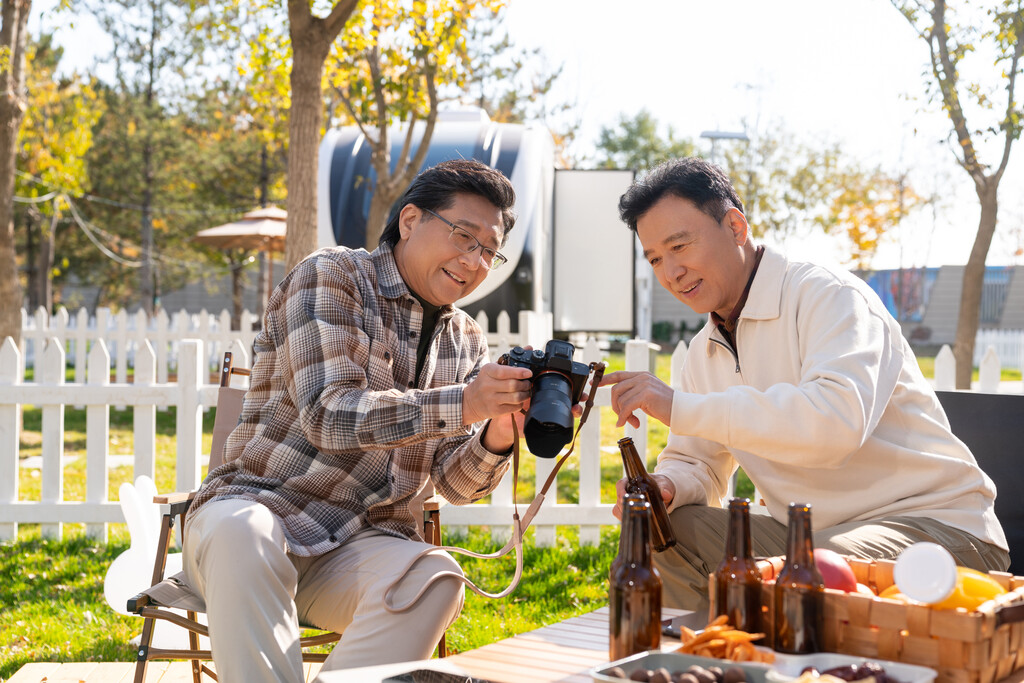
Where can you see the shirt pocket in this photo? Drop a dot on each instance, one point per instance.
(380, 367)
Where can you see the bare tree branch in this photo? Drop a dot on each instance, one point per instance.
(946, 76)
(339, 16)
(352, 112)
(407, 143)
(1018, 50)
(428, 132)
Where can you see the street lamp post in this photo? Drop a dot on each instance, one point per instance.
(716, 135)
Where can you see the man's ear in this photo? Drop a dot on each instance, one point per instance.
(408, 218)
(737, 223)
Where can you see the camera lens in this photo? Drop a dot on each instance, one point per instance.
(549, 420)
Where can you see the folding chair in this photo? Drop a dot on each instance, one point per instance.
(173, 591)
(990, 426)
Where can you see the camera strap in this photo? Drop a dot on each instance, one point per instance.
(519, 524)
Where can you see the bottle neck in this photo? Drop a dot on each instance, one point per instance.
(800, 543)
(631, 459)
(635, 542)
(737, 541)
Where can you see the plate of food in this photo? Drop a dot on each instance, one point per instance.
(831, 667)
(674, 667)
(721, 654)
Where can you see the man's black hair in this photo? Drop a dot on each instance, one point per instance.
(692, 178)
(436, 187)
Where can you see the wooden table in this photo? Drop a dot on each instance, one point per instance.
(561, 652)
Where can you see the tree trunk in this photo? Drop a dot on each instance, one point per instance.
(973, 283)
(304, 122)
(12, 108)
(311, 42)
(44, 268)
(147, 290)
(380, 208)
(31, 260)
(237, 262)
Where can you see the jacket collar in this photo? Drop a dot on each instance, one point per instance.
(764, 302)
(765, 299)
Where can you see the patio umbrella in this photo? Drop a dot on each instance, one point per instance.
(260, 229)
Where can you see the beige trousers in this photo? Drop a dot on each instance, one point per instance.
(700, 541)
(257, 594)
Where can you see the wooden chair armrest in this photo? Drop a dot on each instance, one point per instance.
(179, 501)
(434, 503)
(135, 604)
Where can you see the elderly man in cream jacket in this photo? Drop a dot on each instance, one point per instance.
(803, 378)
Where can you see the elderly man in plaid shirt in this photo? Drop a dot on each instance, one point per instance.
(368, 387)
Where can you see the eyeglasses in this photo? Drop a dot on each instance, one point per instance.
(467, 244)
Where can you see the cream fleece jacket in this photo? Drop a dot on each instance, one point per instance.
(824, 403)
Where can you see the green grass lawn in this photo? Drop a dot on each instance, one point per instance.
(51, 592)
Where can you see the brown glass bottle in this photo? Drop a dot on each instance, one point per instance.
(639, 480)
(737, 591)
(799, 590)
(634, 593)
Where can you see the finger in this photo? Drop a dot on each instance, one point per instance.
(496, 371)
(617, 376)
(634, 421)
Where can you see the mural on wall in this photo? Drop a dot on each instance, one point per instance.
(905, 291)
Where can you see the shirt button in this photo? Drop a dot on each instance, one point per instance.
(412, 334)
(412, 385)
(387, 355)
(440, 424)
(333, 538)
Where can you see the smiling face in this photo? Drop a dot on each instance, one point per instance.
(429, 262)
(705, 263)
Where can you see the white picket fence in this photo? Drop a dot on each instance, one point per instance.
(989, 363)
(191, 394)
(1007, 344)
(124, 334)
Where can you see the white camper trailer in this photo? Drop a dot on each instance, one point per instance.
(569, 254)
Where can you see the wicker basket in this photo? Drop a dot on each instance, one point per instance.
(983, 646)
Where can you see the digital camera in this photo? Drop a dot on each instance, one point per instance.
(557, 386)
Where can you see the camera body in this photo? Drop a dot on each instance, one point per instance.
(558, 383)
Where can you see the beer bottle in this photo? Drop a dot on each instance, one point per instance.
(634, 595)
(638, 480)
(737, 591)
(799, 590)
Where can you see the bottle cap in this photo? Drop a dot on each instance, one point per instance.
(925, 572)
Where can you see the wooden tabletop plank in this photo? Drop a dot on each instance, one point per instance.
(538, 659)
(72, 673)
(482, 667)
(35, 672)
(177, 672)
(112, 672)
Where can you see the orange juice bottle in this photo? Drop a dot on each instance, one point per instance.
(926, 572)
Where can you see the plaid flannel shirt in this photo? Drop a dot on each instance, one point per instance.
(334, 434)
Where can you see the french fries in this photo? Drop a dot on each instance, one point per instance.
(721, 641)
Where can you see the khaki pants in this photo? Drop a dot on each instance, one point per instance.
(257, 593)
(700, 542)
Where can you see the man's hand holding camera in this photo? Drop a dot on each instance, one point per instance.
(639, 391)
(498, 392)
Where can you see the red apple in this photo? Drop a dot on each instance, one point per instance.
(835, 570)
